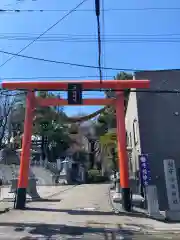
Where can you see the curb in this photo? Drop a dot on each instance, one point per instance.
(137, 210)
(5, 210)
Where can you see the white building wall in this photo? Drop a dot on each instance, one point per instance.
(133, 135)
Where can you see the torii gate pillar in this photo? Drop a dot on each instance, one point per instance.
(122, 153)
(25, 153)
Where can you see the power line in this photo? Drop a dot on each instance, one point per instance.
(52, 77)
(116, 41)
(3, 10)
(47, 30)
(30, 34)
(65, 63)
(97, 10)
(102, 36)
(129, 40)
(80, 65)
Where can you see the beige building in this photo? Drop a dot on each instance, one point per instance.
(153, 126)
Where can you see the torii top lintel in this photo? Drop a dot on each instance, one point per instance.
(63, 85)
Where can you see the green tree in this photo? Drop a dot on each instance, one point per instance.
(107, 119)
(49, 124)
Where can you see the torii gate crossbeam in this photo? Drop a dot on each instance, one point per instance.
(32, 101)
(63, 85)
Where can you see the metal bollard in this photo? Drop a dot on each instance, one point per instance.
(118, 187)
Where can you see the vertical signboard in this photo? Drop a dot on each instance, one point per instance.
(74, 93)
(171, 184)
(152, 201)
(144, 170)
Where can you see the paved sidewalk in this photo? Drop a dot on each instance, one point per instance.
(7, 199)
(81, 212)
(4, 207)
(44, 191)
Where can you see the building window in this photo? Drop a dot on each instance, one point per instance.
(130, 161)
(127, 139)
(130, 140)
(135, 131)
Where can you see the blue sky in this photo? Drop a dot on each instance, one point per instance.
(121, 55)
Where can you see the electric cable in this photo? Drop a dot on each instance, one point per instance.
(53, 77)
(35, 34)
(103, 45)
(82, 65)
(47, 30)
(8, 10)
(94, 40)
(97, 10)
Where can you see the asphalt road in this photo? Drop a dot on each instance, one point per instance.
(81, 212)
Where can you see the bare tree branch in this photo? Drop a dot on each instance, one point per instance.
(6, 105)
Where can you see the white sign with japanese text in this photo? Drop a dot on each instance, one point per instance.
(171, 184)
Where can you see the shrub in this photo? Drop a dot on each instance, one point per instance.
(94, 176)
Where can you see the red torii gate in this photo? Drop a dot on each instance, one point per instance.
(32, 101)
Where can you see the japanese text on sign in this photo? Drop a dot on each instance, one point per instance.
(144, 169)
(74, 93)
(171, 184)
